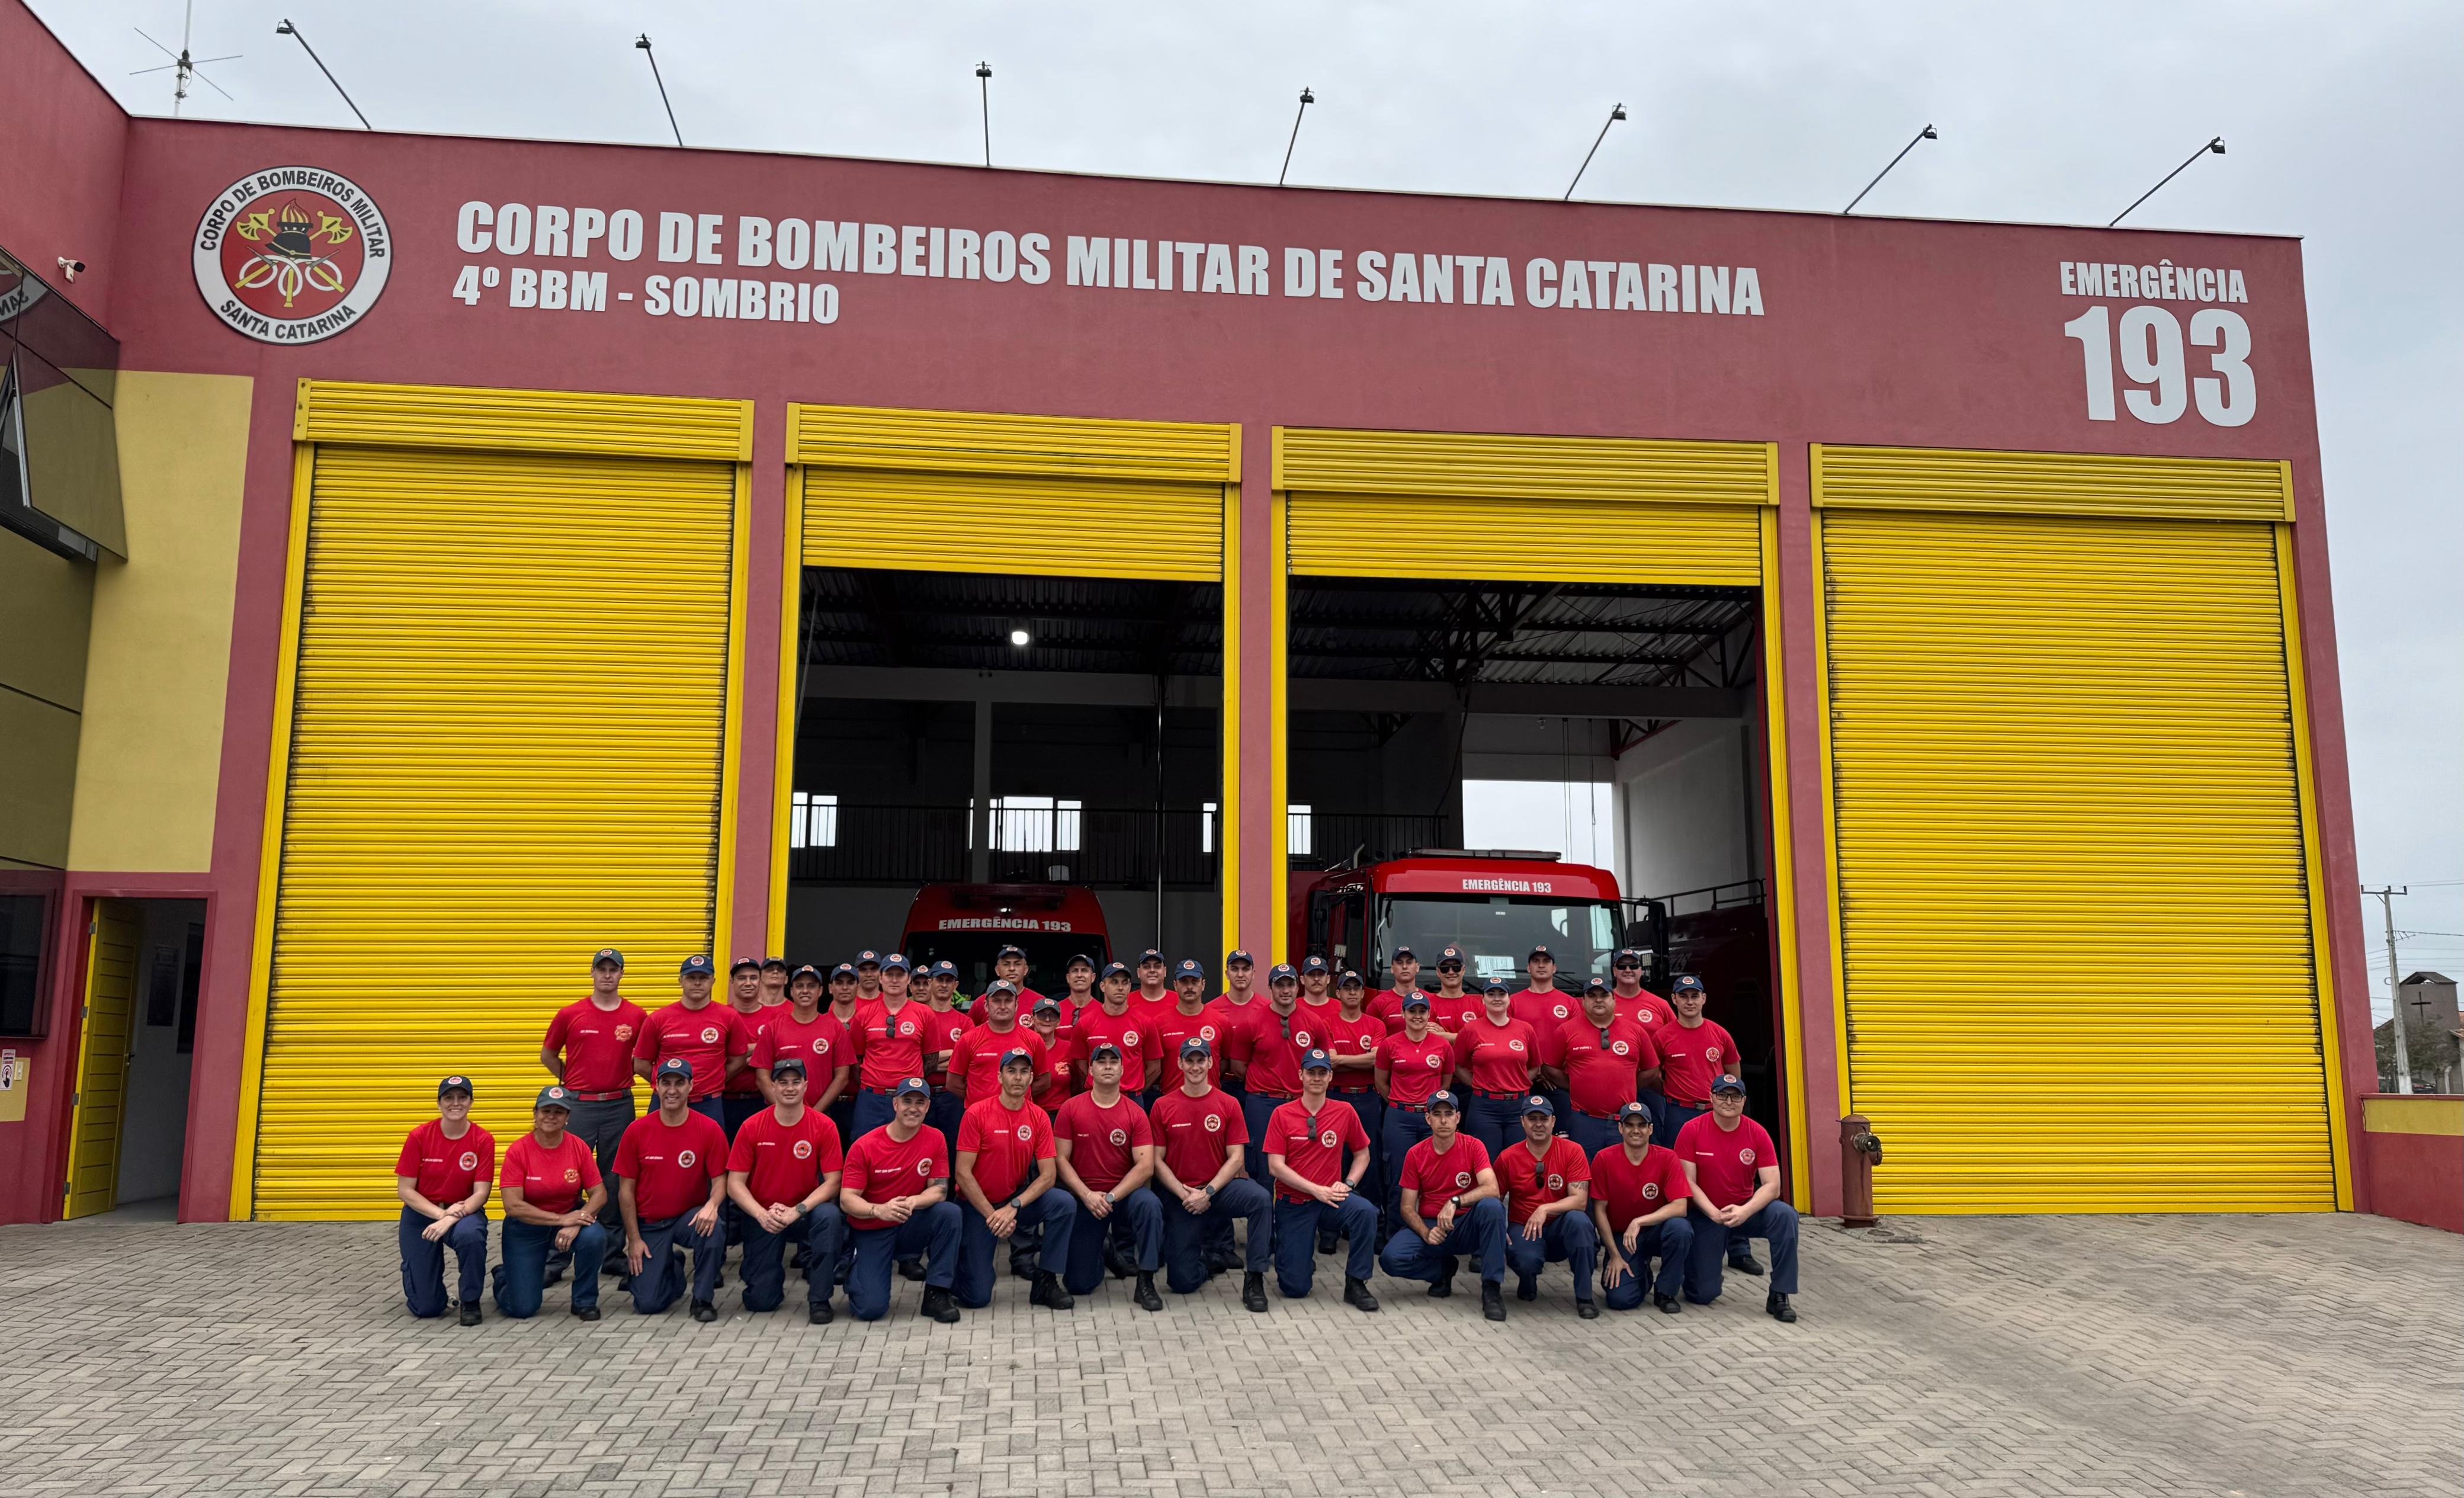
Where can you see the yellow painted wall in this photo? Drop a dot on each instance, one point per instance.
(160, 650)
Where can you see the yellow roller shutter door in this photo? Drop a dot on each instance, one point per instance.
(506, 752)
(973, 492)
(1476, 504)
(2074, 912)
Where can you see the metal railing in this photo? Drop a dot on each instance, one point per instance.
(1122, 847)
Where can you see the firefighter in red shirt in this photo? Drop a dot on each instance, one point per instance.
(1122, 1022)
(1106, 1145)
(1201, 1179)
(1267, 1052)
(892, 1044)
(1547, 1183)
(1352, 1039)
(975, 1056)
(700, 1031)
(1493, 1059)
(1077, 993)
(441, 1179)
(805, 1029)
(589, 1051)
(671, 1177)
(741, 1096)
(1190, 1016)
(784, 1174)
(1387, 1004)
(1447, 1188)
(945, 1022)
(1451, 1004)
(553, 1192)
(1305, 1143)
(1694, 1053)
(1009, 966)
(1601, 1059)
(1006, 1175)
(1640, 1195)
(1413, 1065)
(1734, 1170)
(896, 1197)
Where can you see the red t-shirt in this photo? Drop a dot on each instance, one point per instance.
(670, 1169)
(1531, 1185)
(1101, 1138)
(784, 1162)
(552, 1180)
(1498, 1056)
(1067, 1065)
(1131, 1031)
(1453, 1015)
(597, 1045)
(1544, 1011)
(1198, 1134)
(1006, 1143)
(748, 1034)
(1600, 1079)
(1439, 1178)
(1691, 1060)
(1647, 1009)
(821, 1043)
(1728, 1163)
(893, 1047)
(1415, 1068)
(942, 1028)
(880, 1168)
(1274, 1058)
(444, 1170)
(703, 1036)
(975, 1058)
(1210, 1024)
(1313, 1146)
(1630, 1188)
(1355, 1038)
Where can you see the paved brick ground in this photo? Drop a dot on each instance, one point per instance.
(2296, 1356)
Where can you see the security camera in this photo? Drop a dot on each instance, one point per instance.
(69, 269)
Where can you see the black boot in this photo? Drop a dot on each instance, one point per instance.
(1253, 1291)
(1444, 1285)
(1116, 1259)
(941, 1305)
(1326, 1237)
(1776, 1304)
(1588, 1309)
(1050, 1293)
(1492, 1300)
(1668, 1304)
(1355, 1293)
(818, 1315)
(1146, 1296)
(1744, 1263)
(470, 1314)
(912, 1269)
(591, 1313)
(704, 1311)
(1527, 1287)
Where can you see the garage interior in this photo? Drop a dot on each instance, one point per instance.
(1401, 688)
(931, 748)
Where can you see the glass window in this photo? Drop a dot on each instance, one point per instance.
(1498, 932)
(21, 965)
(813, 819)
(1037, 824)
(1206, 830)
(1299, 832)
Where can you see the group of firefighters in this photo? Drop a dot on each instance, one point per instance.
(875, 1122)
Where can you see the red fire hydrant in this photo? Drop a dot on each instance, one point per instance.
(1859, 1151)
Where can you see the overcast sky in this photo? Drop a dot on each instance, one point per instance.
(2345, 125)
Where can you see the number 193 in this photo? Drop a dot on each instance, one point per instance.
(2155, 362)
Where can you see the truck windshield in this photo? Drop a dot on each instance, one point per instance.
(1497, 932)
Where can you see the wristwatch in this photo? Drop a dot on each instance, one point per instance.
(1011, 1205)
(1210, 1191)
(1108, 1200)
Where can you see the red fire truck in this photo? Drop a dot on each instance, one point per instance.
(968, 923)
(1496, 904)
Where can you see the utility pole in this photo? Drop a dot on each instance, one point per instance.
(2395, 997)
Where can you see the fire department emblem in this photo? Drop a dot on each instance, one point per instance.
(1556, 1183)
(1514, 1045)
(1620, 1046)
(1463, 1179)
(1746, 1155)
(1206, 1033)
(684, 1159)
(1120, 1137)
(1214, 1123)
(469, 1160)
(1433, 1058)
(624, 1032)
(1300, 1038)
(572, 1175)
(291, 255)
(1025, 1132)
(1329, 1138)
(924, 1167)
(1559, 1011)
(803, 1151)
(1651, 1191)
(1710, 1053)
(1129, 1037)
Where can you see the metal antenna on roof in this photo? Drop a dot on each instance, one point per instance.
(643, 43)
(182, 66)
(1926, 134)
(1306, 98)
(2217, 145)
(286, 29)
(1616, 112)
(984, 82)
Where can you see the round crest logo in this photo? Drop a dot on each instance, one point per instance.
(624, 1032)
(1300, 1037)
(685, 1159)
(1746, 1155)
(1556, 1183)
(1329, 1138)
(469, 1160)
(1514, 1045)
(572, 1175)
(924, 1167)
(1129, 1037)
(1120, 1137)
(803, 1151)
(1434, 1058)
(1025, 1132)
(291, 255)
(1651, 1191)
(1214, 1123)
(710, 1035)
(1463, 1179)
(1620, 1046)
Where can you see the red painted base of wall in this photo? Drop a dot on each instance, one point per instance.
(2416, 1177)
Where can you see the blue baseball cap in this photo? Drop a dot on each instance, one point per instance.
(1724, 1083)
(1079, 960)
(1442, 1098)
(1446, 954)
(1629, 956)
(1494, 986)
(742, 963)
(1404, 952)
(1103, 1048)
(779, 962)
(808, 970)
(1236, 955)
(1416, 999)
(1541, 952)
(1314, 964)
(1641, 1111)
(553, 1097)
(843, 970)
(913, 1087)
(1597, 985)
(1189, 967)
(455, 1083)
(1110, 968)
(868, 958)
(609, 955)
(696, 963)
(1282, 970)
(1348, 979)
(945, 968)
(1194, 1046)
(794, 1063)
(1150, 955)
(896, 960)
(1017, 1053)
(1009, 949)
(1685, 981)
(1317, 1061)
(1536, 1104)
(673, 1066)
(1046, 1002)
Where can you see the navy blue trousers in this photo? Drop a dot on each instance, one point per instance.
(1055, 1212)
(1082, 1267)
(1593, 1134)
(1479, 1233)
(521, 1277)
(932, 1232)
(1776, 1221)
(1185, 1232)
(765, 1276)
(1568, 1238)
(1255, 1108)
(1296, 1224)
(1371, 1110)
(1670, 1243)
(1495, 1121)
(1402, 1128)
(423, 1263)
(663, 1269)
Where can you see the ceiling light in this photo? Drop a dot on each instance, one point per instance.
(1020, 638)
